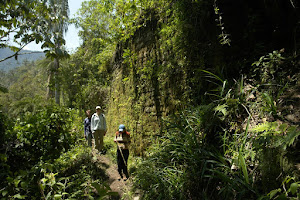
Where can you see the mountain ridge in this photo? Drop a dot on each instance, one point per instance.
(24, 55)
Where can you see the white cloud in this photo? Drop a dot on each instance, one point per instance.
(26, 48)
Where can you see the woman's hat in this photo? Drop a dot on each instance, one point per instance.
(121, 128)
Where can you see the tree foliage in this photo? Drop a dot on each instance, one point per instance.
(23, 22)
(207, 89)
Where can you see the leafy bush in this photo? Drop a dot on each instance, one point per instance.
(271, 144)
(268, 65)
(35, 137)
(40, 136)
(289, 190)
(75, 174)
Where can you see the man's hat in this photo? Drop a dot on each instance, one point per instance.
(98, 107)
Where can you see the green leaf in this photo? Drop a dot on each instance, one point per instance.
(294, 187)
(18, 196)
(16, 182)
(282, 197)
(4, 193)
(57, 196)
(23, 184)
(213, 75)
(274, 192)
(60, 184)
(243, 166)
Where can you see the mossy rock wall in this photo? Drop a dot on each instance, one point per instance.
(142, 91)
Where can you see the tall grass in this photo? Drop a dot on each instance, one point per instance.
(183, 165)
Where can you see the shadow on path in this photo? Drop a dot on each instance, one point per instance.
(116, 185)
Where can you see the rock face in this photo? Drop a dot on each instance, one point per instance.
(159, 69)
(142, 92)
(146, 86)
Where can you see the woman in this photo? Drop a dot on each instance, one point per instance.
(98, 127)
(87, 127)
(122, 139)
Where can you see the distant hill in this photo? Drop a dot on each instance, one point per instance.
(13, 63)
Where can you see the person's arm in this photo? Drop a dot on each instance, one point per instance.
(92, 124)
(84, 127)
(104, 124)
(115, 138)
(128, 138)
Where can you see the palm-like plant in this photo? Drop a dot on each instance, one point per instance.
(54, 41)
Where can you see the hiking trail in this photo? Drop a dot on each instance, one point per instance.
(120, 186)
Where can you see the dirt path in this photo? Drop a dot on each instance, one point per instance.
(120, 186)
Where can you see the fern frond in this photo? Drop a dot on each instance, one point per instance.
(283, 135)
(221, 109)
(266, 128)
(291, 135)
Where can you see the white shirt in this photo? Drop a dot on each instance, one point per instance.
(98, 122)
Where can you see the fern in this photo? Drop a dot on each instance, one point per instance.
(265, 129)
(290, 137)
(283, 136)
(221, 109)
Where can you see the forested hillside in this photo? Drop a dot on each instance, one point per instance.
(16, 61)
(208, 89)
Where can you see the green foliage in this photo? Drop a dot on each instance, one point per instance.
(3, 89)
(144, 60)
(74, 175)
(271, 143)
(267, 66)
(224, 37)
(26, 89)
(78, 176)
(270, 101)
(184, 166)
(103, 190)
(44, 134)
(32, 20)
(290, 189)
(17, 17)
(273, 135)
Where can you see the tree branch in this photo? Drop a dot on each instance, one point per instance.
(7, 33)
(292, 3)
(17, 53)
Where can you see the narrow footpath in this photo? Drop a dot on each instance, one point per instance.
(120, 186)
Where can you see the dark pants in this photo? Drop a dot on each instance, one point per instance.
(122, 167)
(89, 139)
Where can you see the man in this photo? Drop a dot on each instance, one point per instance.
(98, 127)
(87, 128)
(122, 139)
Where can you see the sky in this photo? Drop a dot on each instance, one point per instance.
(72, 39)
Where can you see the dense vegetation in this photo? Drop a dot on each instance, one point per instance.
(208, 89)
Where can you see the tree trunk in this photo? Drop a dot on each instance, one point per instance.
(57, 84)
(50, 92)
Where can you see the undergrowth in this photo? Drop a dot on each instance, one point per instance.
(55, 162)
(183, 166)
(238, 146)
